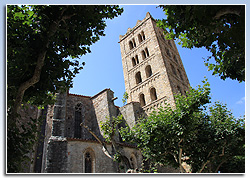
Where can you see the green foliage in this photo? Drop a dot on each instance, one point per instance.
(28, 28)
(125, 98)
(59, 34)
(189, 130)
(218, 28)
(220, 138)
(109, 127)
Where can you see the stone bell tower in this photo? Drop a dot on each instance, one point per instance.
(152, 67)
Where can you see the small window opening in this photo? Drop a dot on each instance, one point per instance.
(131, 45)
(143, 54)
(133, 61)
(140, 38)
(143, 36)
(138, 77)
(136, 59)
(146, 49)
(142, 100)
(153, 94)
(148, 71)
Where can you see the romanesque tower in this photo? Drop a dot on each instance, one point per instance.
(152, 67)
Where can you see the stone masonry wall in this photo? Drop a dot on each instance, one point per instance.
(168, 74)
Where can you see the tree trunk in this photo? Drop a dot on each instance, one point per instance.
(37, 72)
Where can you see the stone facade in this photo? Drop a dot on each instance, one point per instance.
(153, 73)
(153, 70)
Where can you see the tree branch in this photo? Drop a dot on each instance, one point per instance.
(124, 159)
(227, 10)
(204, 165)
(104, 148)
(38, 69)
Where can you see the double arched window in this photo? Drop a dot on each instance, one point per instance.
(145, 53)
(132, 44)
(135, 60)
(141, 37)
(153, 96)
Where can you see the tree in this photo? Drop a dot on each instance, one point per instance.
(189, 133)
(218, 28)
(125, 98)
(43, 45)
(220, 138)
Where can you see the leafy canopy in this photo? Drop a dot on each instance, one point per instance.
(30, 31)
(44, 44)
(218, 28)
(190, 132)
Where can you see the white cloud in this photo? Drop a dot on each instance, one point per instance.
(241, 101)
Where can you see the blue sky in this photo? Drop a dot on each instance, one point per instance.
(103, 67)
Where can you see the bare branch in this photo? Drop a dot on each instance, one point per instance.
(228, 10)
(104, 148)
(204, 165)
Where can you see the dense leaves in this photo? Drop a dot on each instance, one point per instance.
(218, 28)
(205, 139)
(44, 44)
(30, 31)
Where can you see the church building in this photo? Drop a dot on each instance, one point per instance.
(153, 73)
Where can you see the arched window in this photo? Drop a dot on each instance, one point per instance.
(138, 77)
(136, 59)
(148, 71)
(133, 61)
(142, 100)
(133, 40)
(140, 38)
(146, 49)
(143, 53)
(143, 36)
(131, 46)
(89, 161)
(78, 121)
(153, 94)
